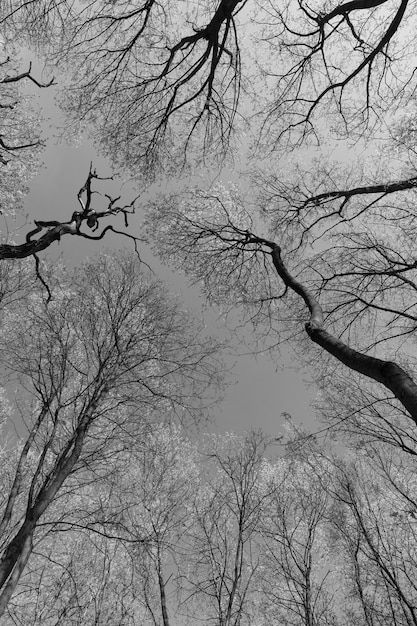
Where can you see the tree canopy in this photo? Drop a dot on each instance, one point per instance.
(311, 108)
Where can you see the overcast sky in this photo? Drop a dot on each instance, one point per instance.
(261, 390)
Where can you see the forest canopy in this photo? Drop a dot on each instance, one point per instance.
(111, 512)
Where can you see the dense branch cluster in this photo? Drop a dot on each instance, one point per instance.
(138, 80)
(172, 532)
(346, 61)
(110, 351)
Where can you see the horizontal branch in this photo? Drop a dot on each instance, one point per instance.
(348, 7)
(383, 188)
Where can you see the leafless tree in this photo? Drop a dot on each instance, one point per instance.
(220, 555)
(376, 535)
(215, 239)
(346, 60)
(294, 579)
(109, 353)
(144, 68)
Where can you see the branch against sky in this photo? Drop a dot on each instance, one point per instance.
(357, 277)
(350, 63)
(214, 239)
(376, 534)
(324, 257)
(217, 571)
(17, 132)
(20, 134)
(303, 538)
(20, 149)
(157, 80)
(106, 542)
(152, 76)
(160, 488)
(53, 230)
(295, 574)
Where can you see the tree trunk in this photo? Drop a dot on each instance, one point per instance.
(17, 552)
(391, 375)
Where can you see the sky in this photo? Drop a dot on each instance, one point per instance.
(261, 391)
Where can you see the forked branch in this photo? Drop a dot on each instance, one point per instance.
(53, 230)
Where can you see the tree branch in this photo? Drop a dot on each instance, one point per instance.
(53, 230)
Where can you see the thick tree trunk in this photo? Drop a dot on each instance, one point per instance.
(17, 552)
(162, 595)
(20, 565)
(391, 375)
(30, 247)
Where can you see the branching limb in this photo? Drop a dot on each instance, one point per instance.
(28, 74)
(367, 61)
(53, 230)
(298, 207)
(315, 53)
(224, 245)
(195, 73)
(21, 138)
(346, 194)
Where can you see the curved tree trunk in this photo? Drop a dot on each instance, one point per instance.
(391, 375)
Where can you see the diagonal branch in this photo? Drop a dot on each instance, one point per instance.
(391, 375)
(388, 373)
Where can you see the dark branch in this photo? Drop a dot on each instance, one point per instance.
(348, 7)
(235, 242)
(384, 188)
(28, 75)
(53, 230)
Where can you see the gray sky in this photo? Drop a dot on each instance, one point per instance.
(261, 390)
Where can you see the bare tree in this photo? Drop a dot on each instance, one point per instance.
(346, 60)
(295, 577)
(221, 558)
(53, 230)
(139, 70)
(376, 535)
(143, 69)
(137, 67)
(76, 577)
(215, 239)
(102, 553)
(107, 354)
(157, 495)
